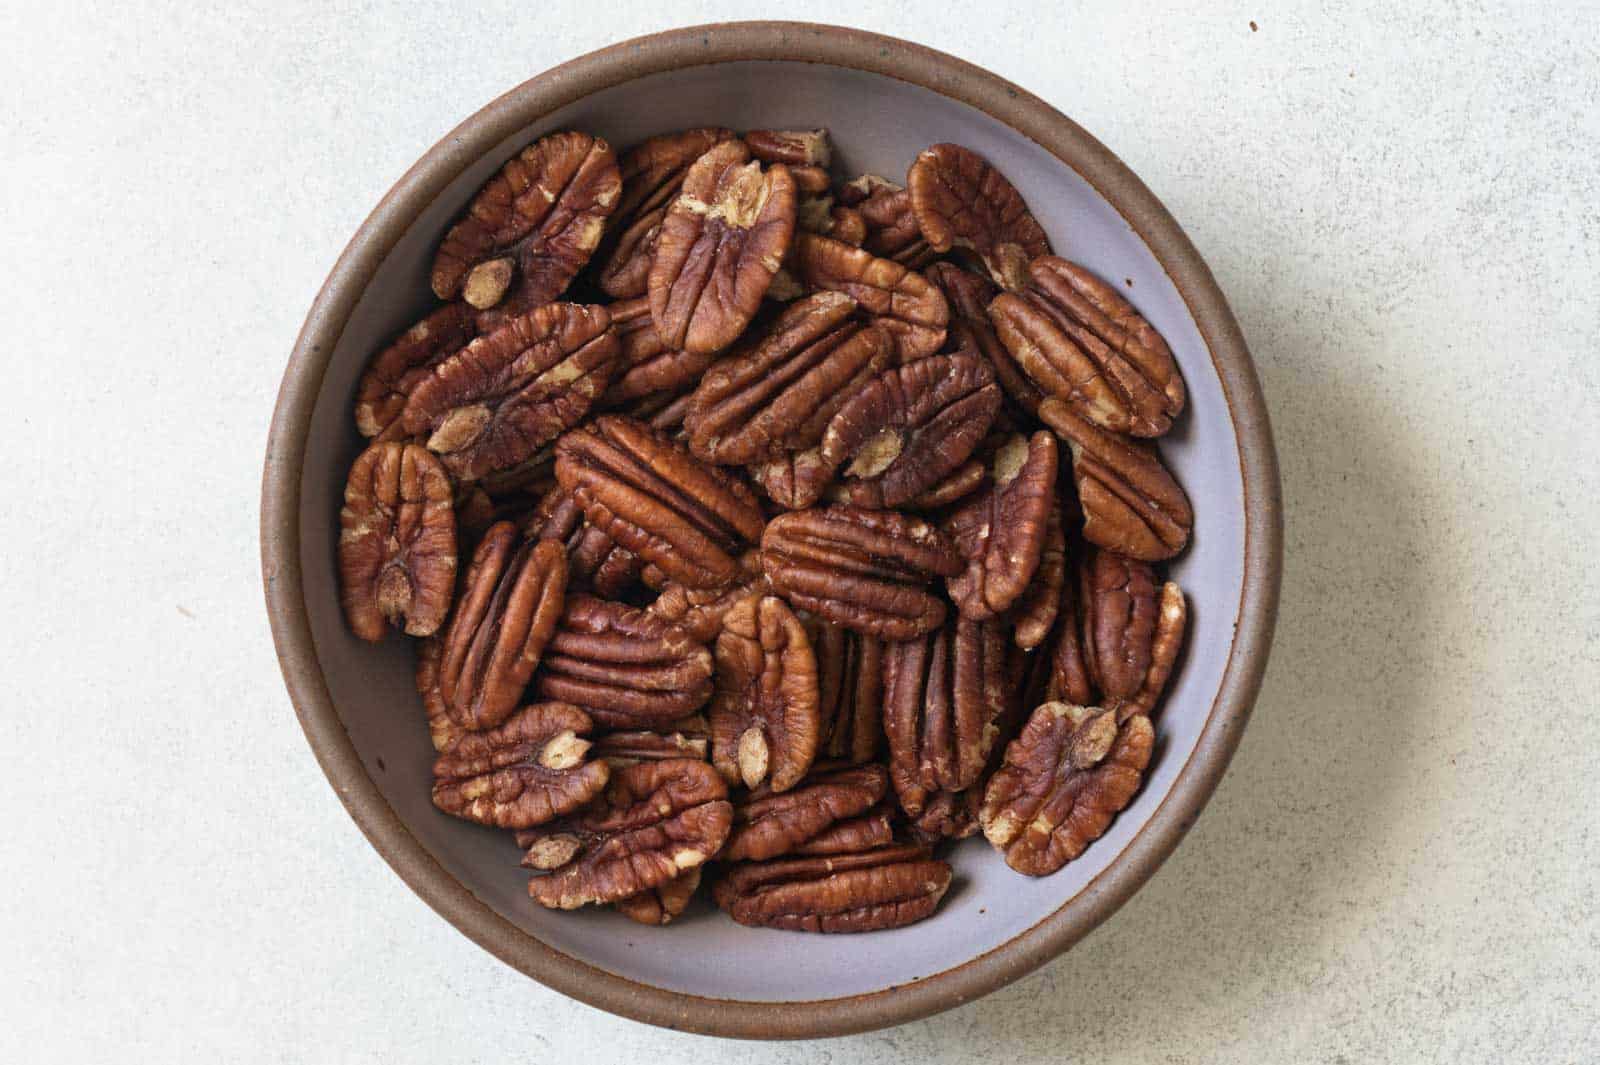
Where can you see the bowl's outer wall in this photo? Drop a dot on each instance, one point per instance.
(878, 124)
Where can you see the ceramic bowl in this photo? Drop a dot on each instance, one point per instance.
(883, 100)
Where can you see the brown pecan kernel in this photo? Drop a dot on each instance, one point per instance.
(497, 401)
(652, 822)
(655, 499)
(911, 427)
(530, 769)
(662, 903)
(441, 729)
(1070, 771)
(866, 570)
(960, 200)
(701, 610)
(627, 668)
(779, 394)
(768, 824)
(689, 737)
(1131, 504)
(626, 273)
(1068, 678)
(1132, 629)
(593, 560)
(887, 887)
(510, 602)
(948, 815)
(648, 367)
(795, 480)
(943, 699)
(1035, 612)
(397, 542)
(1001, 531)
(904, 302)
(1081, 342)
(962, 482)
(850, 686)
(971, 330)
(720, 243)
(872, 829)
(846, 224)
(532, 227)
(891, 227)
(811, 182)
(796, 147)
(391, 375)
(764, 713)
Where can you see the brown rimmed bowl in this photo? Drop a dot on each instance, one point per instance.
(883, 100)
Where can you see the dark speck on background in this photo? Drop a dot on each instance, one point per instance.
(1253, 27)
(381, 767)
(1129, 280)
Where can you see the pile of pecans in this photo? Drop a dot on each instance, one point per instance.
(771, 557)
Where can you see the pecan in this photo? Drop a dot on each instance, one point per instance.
(397, 542)
(948, 815)
(904, 302)
(1035, 611)
(795, 480)
(658, 501)
(510, 602)
(779, 394)
(850, 687)
(959, 200)
(845, 224)
(891, 227)
(1001, 531)
(768, 824)
(764, 713)
(497, 401)
(810, 182)
(528, 770)
(593, 560)
(875, 828)
(386, 384)
(627, 668)
(720, 243)
(796, 147)
(887, 887)
(1081, 342)
(1069, 772)
(701, 610)
(686, 738)
(532, 476)
(532, 227)
(1068, 674)
(648, 367)
(866, 570)
(652, 822)
(962, 482)
(911, 427)
(1131, 504)
(441, 729)
(662, 903)
(944, 696)
(971, 330)
(1132, 629)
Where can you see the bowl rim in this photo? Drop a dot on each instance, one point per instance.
(872, 53)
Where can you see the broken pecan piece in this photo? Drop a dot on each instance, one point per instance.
(720, 243)
(866, 570)
(653, 821)
(795, 480)
(891, 227)
(904, 302)
(1070, 771)
(593, 560)
(511, 599)
(497, 401)
(658, 501)
(1132, 630)
(971, 330)
(764, 713)
(701, 610)
(1081, 342)
(948, 815)
(1035, 612)
(850, 686)
(1001, 531)
(664, 902)
(530, 769)
(1131, 504)
(397, 542)
(796, 147)
(768, 824)
(887, 887)
(944, 696)
(910, 427)
(386, 384)
(959, 200)
(532, 227)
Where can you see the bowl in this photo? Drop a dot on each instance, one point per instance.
(883, 100)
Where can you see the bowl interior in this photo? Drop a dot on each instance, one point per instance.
(878, 124)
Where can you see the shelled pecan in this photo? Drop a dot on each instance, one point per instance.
(959, 200)
(904, 302)
(531, 768)
(764, 718)
(1001, 530)
(887, 887)
(768, 823)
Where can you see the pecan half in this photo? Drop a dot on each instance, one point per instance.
(911, 427)
(887, 887)
(866, 570)
(764, 713)
(386, 384)
(648, 365)
(701, 610)
(1068, 677)
(796, 147)
(794, 481)
(1131, 504)
(962, 482)
(779, 394)
(397, 542)
(904, 302)
(1132, 630)
(1001, 531)
(532, 227)
(971, 330)
(1070, 771)
(510, 602)
(687, 738)
(944, 696)
(658, 501)
(497, 401)
(850, 687)
(627, 668)
(664, 902)
(652, 822)
(720, 243)
(530, 769)
(959, 200)
(892, 230)
(768, 824)
(1081, 342)
(875, 828)
(1035, 612)
(441, 729)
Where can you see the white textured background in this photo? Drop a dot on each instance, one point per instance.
(1403, 203)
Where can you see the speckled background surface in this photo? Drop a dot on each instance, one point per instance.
(1403, 206)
